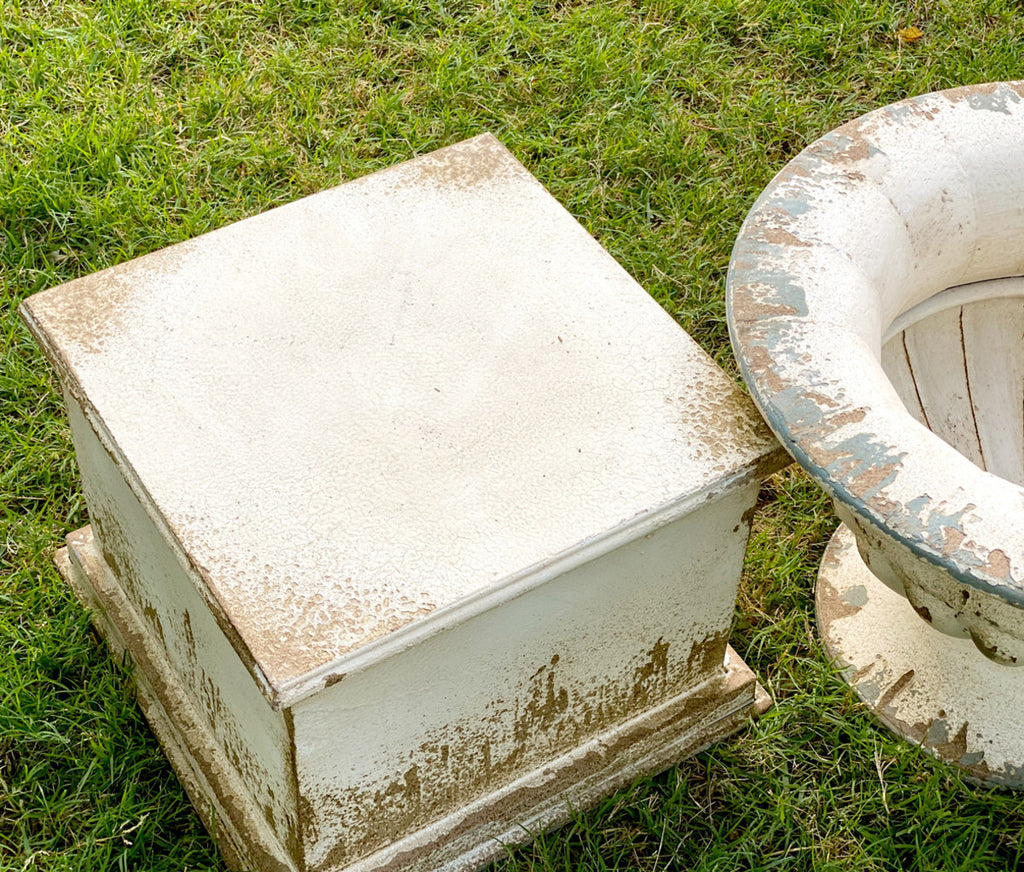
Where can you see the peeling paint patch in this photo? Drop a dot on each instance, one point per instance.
(468, 164)
(842, 147)
(856, 597)
(991, 97)
(779, 236)
(807, 347)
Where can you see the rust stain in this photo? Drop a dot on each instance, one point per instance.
(833, 556)
(884, 507)
(977, 769)
(706, 657)
(190, 637)
(178, 639)
(832, 607)
(795, 170)
(954, 748)
(823, 400)
(760, 361)
(853, 416)
(521, 801)
(778, 236)
(897, 687)
(653, 672)
(871, 478)
(85, 313)
(998, 564)
(953, 538)
(922, 612)
(857, 148)
(545, 704)
(989, 649)
(151, 616)
(769, 464)
(841, 461)
(189, 739)
(408, 788)
(856, 675)
(456, 765)
(282, 640)
(115, 549)
(747, 307)
(959, 95)
(308, 820)
(725, 417)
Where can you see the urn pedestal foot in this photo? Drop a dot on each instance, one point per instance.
(934, 690)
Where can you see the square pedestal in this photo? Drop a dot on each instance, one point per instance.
(420, 520)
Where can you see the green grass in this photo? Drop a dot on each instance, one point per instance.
(128, 125)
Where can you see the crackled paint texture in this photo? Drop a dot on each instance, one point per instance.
(881, 223)
(505, 693)
(417, 514)
(389, 399)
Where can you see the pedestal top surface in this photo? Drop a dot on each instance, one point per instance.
(385, 400)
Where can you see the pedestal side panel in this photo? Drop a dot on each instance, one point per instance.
(157, 584)
(409, 740)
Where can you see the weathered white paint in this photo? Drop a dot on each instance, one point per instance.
(993, 337)
(968, 339)
(960, 367)
(875, 308)
(247, 834)
(163, 613)
(896, 364)
(936, 358)
(479, 832)
(432, 516)
(365, 389)
(500, 695)
(938, 692)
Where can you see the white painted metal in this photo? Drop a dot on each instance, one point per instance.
(416, 503)
(248, 835)
(503, 694)
(896, 363)
(157, 607)
(876, 308)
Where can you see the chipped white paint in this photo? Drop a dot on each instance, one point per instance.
(938, 692)
(415, 503)
(163, 612)
(876, 309)
(364, 390)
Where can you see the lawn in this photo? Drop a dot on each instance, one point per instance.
(129, 125)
